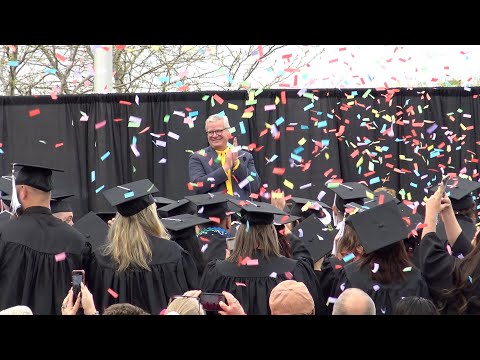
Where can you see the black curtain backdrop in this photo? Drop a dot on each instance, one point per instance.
(400, 138)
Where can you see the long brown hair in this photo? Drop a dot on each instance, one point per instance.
(348, 243)
(391, 259)
(258, 237)
(466, 274)
(128, 244)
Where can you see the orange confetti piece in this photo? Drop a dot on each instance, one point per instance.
(118, 119)
(278, 171)
(283, 97)
(123, 102)
(120, 47)
(34, 112)
(218, 99)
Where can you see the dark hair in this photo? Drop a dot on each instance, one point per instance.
(415, 305)
(392, 259)
(124, 309)
(349, 241)
(285, 247)
(466, 274)
(468, 212)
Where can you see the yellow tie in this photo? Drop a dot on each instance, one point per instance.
(228, 183)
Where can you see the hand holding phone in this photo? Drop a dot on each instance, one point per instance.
(210, 301)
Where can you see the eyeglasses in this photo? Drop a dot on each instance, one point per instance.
(216, 132)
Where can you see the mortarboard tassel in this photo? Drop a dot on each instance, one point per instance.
(15, 204)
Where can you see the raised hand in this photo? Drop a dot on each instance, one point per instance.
(235, 152)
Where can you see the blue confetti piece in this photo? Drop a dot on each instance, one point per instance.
(296, 157)
(221, 113)
(298, 150)
(304, 127)
(348, 257)
(253, 173)
(322, 124)
(92, 176)
(354, 93)
(359, 170)
(242, 128)
(179, 83)
(248, 226)
(330, 116)
(375, 180)
(50, 71)
(193, 113)
(308, 107)
(13, 63)
(128, 194)
(164, 79)
(1, 151)
(319, 112)
(416, 172)
(470, 279)
(279, 121)
(106, 155)
(134, 140)
(326, 142)
(412, 184)
(100, 189)
(273, 158)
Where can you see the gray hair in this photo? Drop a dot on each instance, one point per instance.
(216, 117)
(354, 301)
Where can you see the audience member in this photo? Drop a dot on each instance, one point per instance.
(354, 301)
(291, 297)
(415, 305)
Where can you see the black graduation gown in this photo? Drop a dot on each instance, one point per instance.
(328, 276)
(173, 271)
(437, 268)
(213, 242)
(467, 225)
(29, 272)
(252, 285)
(385, 296)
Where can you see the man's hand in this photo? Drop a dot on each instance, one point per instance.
(234, 153)
(228, 161)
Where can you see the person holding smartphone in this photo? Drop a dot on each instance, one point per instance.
(256, 265)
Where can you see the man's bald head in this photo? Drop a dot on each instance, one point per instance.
(354, 302)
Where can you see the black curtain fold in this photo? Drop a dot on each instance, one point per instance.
(328, 131)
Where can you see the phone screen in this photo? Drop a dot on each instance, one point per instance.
(230, 243)
(210, 301)
(77, 278)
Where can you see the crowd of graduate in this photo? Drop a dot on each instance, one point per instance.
(368, 253)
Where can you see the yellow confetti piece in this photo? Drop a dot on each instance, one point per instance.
(430, 147)
(247, 115)
(409, 196)
(463, 127)
(277, 100)
(306, 206)
(387, 117)
(350, 103)
(268, 126)
(359, 162)
(232, 106)
(370, 195)
(302, 141)
(288, 184)
(327, 156)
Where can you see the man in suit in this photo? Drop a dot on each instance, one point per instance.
(221, 167)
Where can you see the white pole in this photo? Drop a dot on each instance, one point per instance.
(103, 66)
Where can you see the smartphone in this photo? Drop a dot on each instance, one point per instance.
(230, 243)
(444, 182)
(78, 276)
(210, 301)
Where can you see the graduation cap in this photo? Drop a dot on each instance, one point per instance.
(379, 226)
(131, 198)
(182, 206)
(35, 175)
(210, 205)
(58, 202)
(315, 236)
(162, 201)
(376, 200)
(257, 213)
(106, 215)
(459, 190)
(93, 228)
(280, 220)
(350, 192)
(315, 207)
(182, 222)
(6, 184)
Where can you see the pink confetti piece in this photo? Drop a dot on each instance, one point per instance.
(60, 257)
(270, 107)
(240, 284)
(449, 249)
(123, 102)
(163, 312)
(58, 145)
(252, 262)
(113, 293)
(376, 287)
(100, 124)
(289, 275)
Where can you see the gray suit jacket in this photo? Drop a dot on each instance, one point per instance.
(205, 169)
